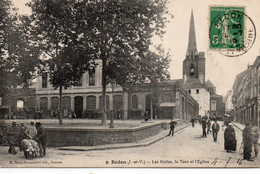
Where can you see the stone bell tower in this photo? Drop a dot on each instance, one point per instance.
(194, 63)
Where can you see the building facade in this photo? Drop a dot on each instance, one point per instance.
(171, 100)
(245, 95)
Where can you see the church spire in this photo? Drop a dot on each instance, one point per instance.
(192, 46)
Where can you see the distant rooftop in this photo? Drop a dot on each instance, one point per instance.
(193, 83)
(209, 84)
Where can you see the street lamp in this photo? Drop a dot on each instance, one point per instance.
(113, 83)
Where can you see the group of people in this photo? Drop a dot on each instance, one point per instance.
(18, 132)
(250, 136)
(206, 127)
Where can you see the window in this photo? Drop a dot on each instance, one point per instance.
(91, 102)
(92, 77)
(134, 102)
(20, 104)
(44, 80)
(213, 105)
(197, 91)
(189, 91)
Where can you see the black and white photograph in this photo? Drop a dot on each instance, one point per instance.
(169, 84)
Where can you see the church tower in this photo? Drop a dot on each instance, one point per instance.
(194, 63)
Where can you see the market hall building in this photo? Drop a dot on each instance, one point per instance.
(172, 100)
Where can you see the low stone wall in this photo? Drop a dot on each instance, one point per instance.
(67, 136)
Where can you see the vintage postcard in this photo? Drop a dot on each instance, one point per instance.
(129, 84)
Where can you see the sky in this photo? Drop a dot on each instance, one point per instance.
(220, 69)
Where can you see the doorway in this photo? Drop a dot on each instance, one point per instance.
(78, 106)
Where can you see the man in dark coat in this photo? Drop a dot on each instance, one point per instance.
(192, 121)
(22, 135)
(204, 126)
(247, 140)
(215, 129)
(146, 116)
(13, 138)
(230, 138)
(172, 126)
(41, 139)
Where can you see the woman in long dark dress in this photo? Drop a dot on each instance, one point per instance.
(230, 139)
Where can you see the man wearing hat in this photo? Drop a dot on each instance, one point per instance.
(31, 131)
(22, 134)
(13, 138)
(41, 138)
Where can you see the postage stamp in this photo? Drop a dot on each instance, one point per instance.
(231, 31)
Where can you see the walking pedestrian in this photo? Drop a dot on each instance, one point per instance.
(118, 114)
(208, 126)
(230, 138)
(192, 121)
(146, 116)
(41, 139)
(255, 139)
(215, 129)
(13, 138)
(247, 140)
(31, 131)
(172, 126)
(204, 126)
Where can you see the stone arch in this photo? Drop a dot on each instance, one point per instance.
(91, 102)
(43, 103)
(107, 102)
(54, 103)
(117, 102)
(66, 102)
(78, 106)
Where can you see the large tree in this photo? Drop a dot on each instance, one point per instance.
(17, 61)
(122, 36)
(56, 30)
(119, 32)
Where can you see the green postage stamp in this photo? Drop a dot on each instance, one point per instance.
(227, 27)
(231, 32)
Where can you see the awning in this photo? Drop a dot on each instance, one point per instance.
(167, 104)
